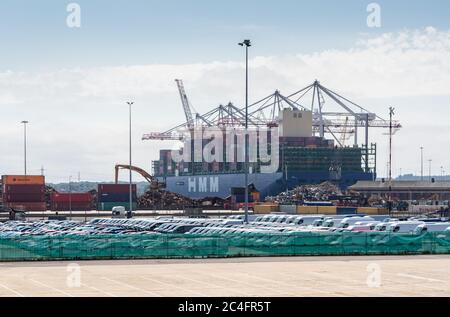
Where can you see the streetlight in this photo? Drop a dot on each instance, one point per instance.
(421, 163)
(25, 145)
(429, 168)
(246, 44)
(70, 196)
(130, 211)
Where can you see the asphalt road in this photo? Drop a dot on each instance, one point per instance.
(287, 276)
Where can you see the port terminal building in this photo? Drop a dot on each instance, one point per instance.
(405, 190)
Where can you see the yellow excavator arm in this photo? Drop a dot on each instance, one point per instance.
(154, 184)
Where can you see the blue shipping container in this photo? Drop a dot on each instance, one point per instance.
(347, 210)
(241, 198)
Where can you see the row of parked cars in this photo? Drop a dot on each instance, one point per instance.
(269, 224)
(357, 223)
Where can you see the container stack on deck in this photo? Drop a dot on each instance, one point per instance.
(24, 192)
(112, 195)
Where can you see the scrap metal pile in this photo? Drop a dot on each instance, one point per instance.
(162, 199)
(322, 192)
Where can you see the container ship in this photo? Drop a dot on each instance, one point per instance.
(312, 126)
(303, 159)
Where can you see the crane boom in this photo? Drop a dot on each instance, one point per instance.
(154, 184)
(185, 103)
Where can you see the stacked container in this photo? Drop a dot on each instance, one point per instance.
(71, 201)
(113, 195)
(24, 192)
(265, 208)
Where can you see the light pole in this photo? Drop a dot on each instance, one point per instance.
(429, 168)
(25, 145)
(130, 211)
(70, 196)
(246, 44)
(421, 163)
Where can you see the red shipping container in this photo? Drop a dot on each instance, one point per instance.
(71, 197)
(27, 206)
(115, 188)
(32, 198)
(23, 189)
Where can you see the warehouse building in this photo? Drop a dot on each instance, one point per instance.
(405, 190)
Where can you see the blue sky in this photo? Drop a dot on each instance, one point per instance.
(34, 35)
(72, 84)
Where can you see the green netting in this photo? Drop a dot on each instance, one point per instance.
(25, 248)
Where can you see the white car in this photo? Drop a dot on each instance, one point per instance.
(431, 227)
(404, 226)
(383, 226)
(306, 220)
(346, 222)
(360, 228)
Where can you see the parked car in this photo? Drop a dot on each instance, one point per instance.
(431, 227)
(404, 226)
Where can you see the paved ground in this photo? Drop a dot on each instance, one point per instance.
(291, 276)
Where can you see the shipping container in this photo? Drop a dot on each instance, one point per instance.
(108, 206)
(76, 206)
(23, 189)
(27, 206)
(115, 188)
(108, 197)
(241, 198)
(72, 197)
(327, 210)
(23, 180)
(256, 196)
(265, 208)
(32, 198)
(307, 210)
(289, 209)
(346, 210)
(372, 211)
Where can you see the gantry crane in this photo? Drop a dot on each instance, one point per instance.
(344, 133)
(185, 103)
(333, 120)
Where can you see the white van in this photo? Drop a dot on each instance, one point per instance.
(119, 212)
(383, 226)
(346, 222)
(306, 220)
(404, 226)
(432, 227)
(360, 228)
(335, 222)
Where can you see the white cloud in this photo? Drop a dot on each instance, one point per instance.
(78, 117)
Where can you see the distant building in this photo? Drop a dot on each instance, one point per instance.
(405, 190)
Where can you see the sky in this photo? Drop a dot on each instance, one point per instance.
(72, 83)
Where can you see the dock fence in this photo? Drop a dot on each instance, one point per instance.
(158, 246)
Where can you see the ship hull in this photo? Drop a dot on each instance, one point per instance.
(219, 185)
